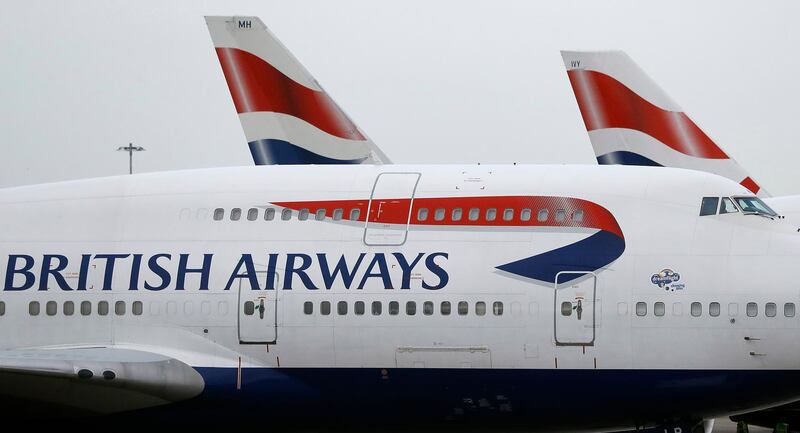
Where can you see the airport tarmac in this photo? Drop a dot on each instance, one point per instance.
(725, 425)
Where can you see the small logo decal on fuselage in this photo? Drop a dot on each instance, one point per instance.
(668, 280)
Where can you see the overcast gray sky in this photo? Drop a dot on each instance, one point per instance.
(430, 82)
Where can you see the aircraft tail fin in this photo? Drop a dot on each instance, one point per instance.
(632, 121)
(287, 117)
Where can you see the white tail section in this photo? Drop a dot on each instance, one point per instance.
(632, 121)
(287, 117)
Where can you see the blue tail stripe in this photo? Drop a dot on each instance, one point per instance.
(587, 255)
(624, 157)
(273, 151)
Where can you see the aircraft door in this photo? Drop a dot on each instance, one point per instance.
(575, 309)
(390, 208)
(258, 315)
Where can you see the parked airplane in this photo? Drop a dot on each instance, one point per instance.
(287, 117)
(628, 116)
(535, 296)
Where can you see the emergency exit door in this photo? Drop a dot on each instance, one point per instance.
(575, 296)
(390, 208)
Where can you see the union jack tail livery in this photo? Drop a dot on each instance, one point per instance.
(632, 121)
(287, 117)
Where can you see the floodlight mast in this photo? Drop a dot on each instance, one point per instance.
(130, 148)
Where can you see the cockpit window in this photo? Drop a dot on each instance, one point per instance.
(709, 206)
(727, 206)
(754, 205)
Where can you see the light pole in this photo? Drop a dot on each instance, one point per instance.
(130, 148)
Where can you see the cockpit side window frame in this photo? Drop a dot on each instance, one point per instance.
(709, 206)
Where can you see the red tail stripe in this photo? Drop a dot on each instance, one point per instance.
(750, 184)
(257, 86)
(594, 215)
(606, 103)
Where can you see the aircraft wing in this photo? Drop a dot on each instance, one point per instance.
(98, 380)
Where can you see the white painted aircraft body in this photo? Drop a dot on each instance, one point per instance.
(614, 304)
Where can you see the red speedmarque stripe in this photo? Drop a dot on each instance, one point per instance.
(606, 103)
(594, 215)
(256, 85)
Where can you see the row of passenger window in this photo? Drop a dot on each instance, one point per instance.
(439, 214)
(376, 308)
(490, 214)
(68, 308)
(254, 214)
(714, 308)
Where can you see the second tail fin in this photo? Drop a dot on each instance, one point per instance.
(286, 115)
(632, 121)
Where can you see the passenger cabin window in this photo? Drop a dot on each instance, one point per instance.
(341, 308)
(2, 308)
(325, 308)
(577, 216)
(236, 214)
(51, 308)
(561, 215)
(497, 308)
(480, 308)
(411, 308)
(491, 214)
(752, 309)
(377, 308)
(119, 308)
(727, 206)
(354, 214)
(713, 309)
(463, 308)
(474, 213)
(422, 214)
(770, 310)
(641, 309)
(219, 213)
(788, 309)
(33, 308)
(252, 214)
(696, 309)
(286, 214)
(444, 308)
(542, 215)
(438, 214)
(659, 309)
(337, 214)
(525, 215)
(308, 307)
(394, 308)
(359, 308)
(456, 215)
(566, 308)
(508, 214)
(709, 206)
(427, 308)
(319, 215)
(86, 308)
(102, 308)
(269, 214)
(138, 308)
(69, 308)
(302, 215)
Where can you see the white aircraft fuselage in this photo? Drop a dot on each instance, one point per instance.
(568, 297)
